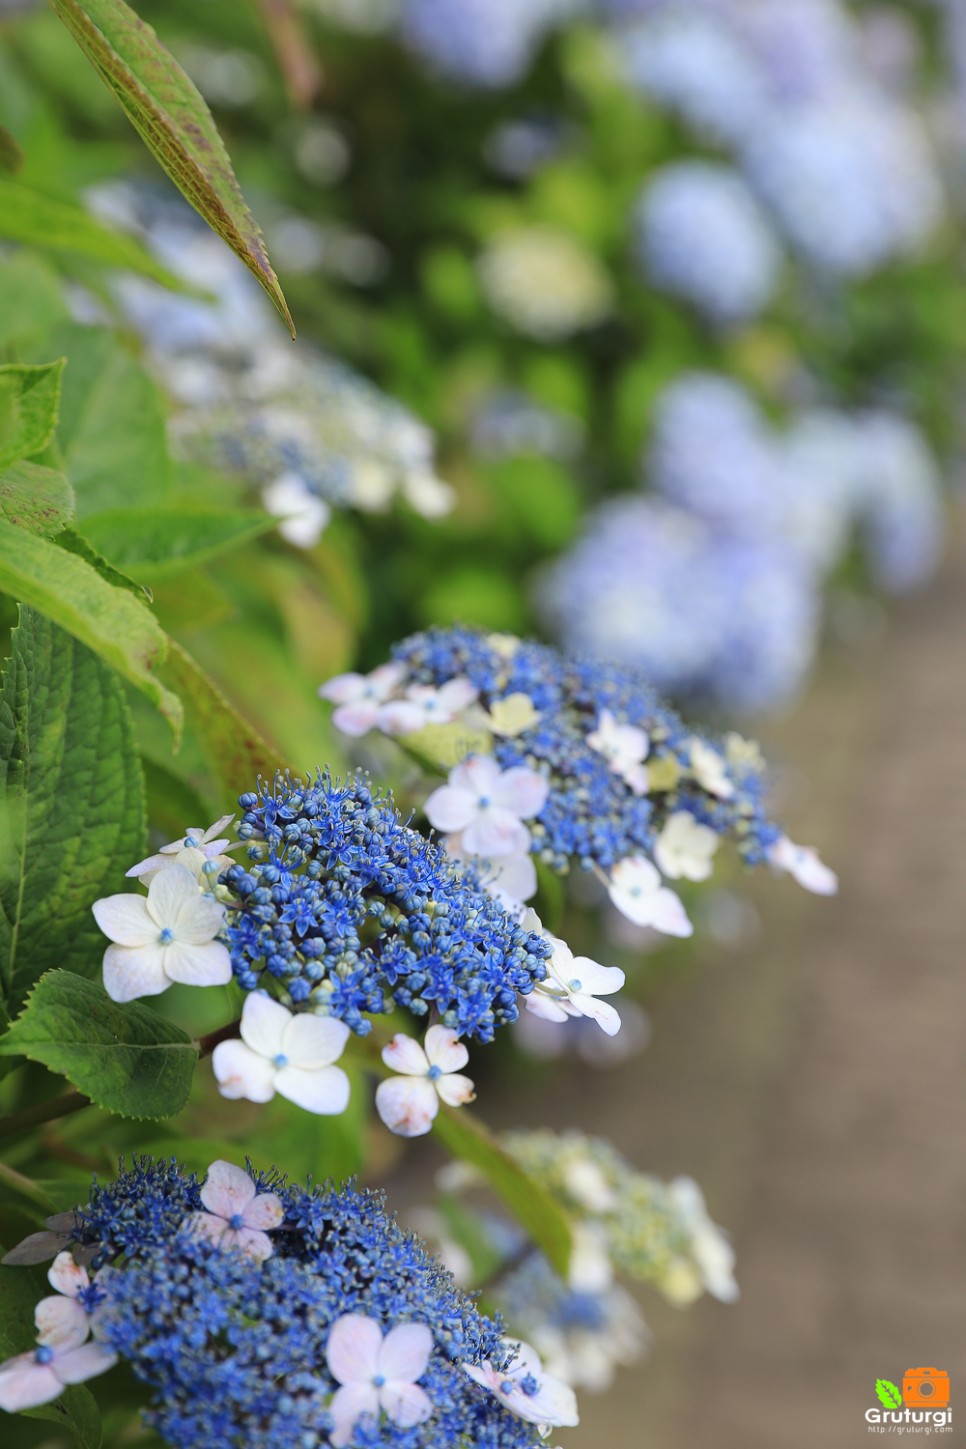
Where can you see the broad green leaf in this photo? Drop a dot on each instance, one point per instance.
(29, 397)
(72, 794)
(125, 1058)
(108, 620)
(889, 1394)
(31, 299)
(166, 541)
(112, 424)
(11, 156)
(72, 542)
(75, 1411)
(35, 497)
(535, 1210)
(235, 751)
(169, 113)
(37, 220)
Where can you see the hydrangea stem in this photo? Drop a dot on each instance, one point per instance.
(31, 1117)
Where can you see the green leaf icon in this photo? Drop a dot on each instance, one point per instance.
(889, 1393)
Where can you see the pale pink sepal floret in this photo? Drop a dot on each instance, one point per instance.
(572, 987)
(164, 937)
(377, 1374)
(636, 890)
(488, 806)
(63, 1358)
(408, 1103)
(237, 1215)
(554, 1403)
(210, 843)
(804, 865)
(285, 1052)
(359, 698)
(423, 705)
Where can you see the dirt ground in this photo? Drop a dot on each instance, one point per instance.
(815, 1087)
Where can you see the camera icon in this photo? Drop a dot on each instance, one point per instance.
(925, 1388)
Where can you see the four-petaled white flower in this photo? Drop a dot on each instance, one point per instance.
(527, 1390)
(488, 806)
(64, 1357)
(710, 770)
(279, 1051)
(712, 1252)
(205, 843)
(236, 1216)
(167, 936)
(572, 987)
(804, 865)
(635, 889)
(423, 705)
(376, 1374)
(625, 748)
(302, 514)
(408, 1103)
(685, 847)
(360, 697)
(62, 1314)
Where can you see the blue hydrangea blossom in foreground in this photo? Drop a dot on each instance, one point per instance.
(570, 762)
(258, 1313)
(339, 913)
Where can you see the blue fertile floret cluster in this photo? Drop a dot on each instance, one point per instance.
(352, 911)
(591, 816)
(234, 1349)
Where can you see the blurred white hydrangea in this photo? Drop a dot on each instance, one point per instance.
(543, 283)
(701, 235)
(583, 1335)
(305, 429)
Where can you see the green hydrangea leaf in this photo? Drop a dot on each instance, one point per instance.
(11, 156)
(72, 803)
(36, 220)
(112, 429)
(170, 115)
(35, 497)
(125, 1058)
(162, 542)
(29, 397)
(108, 620)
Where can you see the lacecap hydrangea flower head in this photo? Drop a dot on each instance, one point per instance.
(259, 1313)
(567, 762)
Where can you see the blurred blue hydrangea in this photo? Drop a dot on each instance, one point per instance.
(852, 181)
(482, 42)
(726, 622)
(701, 235)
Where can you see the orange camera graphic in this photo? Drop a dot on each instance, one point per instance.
(925, 1388)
